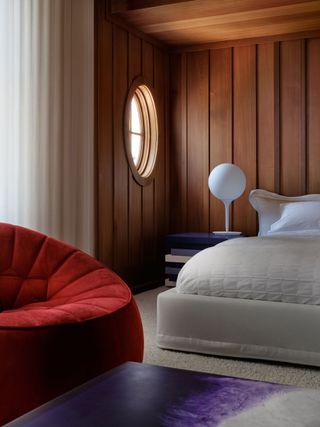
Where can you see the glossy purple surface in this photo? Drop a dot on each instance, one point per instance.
(224, 397)
(140, 395)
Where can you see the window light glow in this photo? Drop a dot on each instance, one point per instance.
(136, 148)
(136, 125)
(136, 130)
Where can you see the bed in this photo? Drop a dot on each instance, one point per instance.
(254, 297)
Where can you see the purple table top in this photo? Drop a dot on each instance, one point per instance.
(141, 395)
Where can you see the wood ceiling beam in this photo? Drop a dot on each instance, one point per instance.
(289, 11)
(182, 22)
(131, 5)
(256, 28)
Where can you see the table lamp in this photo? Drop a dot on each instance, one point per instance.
(227, 182)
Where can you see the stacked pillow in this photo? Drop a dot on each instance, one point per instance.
(286, 215)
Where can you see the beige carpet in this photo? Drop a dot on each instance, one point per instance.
(265, 371)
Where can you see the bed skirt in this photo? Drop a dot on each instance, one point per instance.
(239, 328)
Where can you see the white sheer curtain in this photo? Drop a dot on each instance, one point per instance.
(46, 117)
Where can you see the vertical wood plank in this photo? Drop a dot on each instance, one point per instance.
(313, 108)
(244, 122)
(160, 177)
(134, 57)
(198, 141)
(167, 141)
(220, 123)
(148, 190)
(131, 220)
(275, 120)
(268, 116)
(178, 144)
(292, 92)
(135, 190)
(120, 162)
(105, 238)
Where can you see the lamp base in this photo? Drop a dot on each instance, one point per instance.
(234, 233)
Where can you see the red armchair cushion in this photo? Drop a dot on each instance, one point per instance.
(65, 318)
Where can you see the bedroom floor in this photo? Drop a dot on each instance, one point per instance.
(264, 371)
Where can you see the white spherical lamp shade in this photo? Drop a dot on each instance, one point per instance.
(227, 182)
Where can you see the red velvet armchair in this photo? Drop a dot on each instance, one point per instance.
(64, 318)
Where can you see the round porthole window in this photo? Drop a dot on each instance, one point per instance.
(141, 131)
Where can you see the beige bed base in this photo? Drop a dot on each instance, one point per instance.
(239, 328)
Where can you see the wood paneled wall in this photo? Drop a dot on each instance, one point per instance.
(256, 105)
(131, 219)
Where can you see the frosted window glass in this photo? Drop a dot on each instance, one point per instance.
(136, 145)
(136, 125)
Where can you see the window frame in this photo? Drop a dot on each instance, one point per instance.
(144, 171)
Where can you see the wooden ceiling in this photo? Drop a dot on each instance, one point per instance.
(191, 22)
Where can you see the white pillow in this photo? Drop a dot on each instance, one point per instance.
(267, 205)
(298, 216)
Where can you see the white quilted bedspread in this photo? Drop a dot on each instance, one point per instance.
(283, 269)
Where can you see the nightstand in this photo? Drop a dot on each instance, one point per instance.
(181, 247)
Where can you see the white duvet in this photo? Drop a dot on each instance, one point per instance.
(277, 268)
